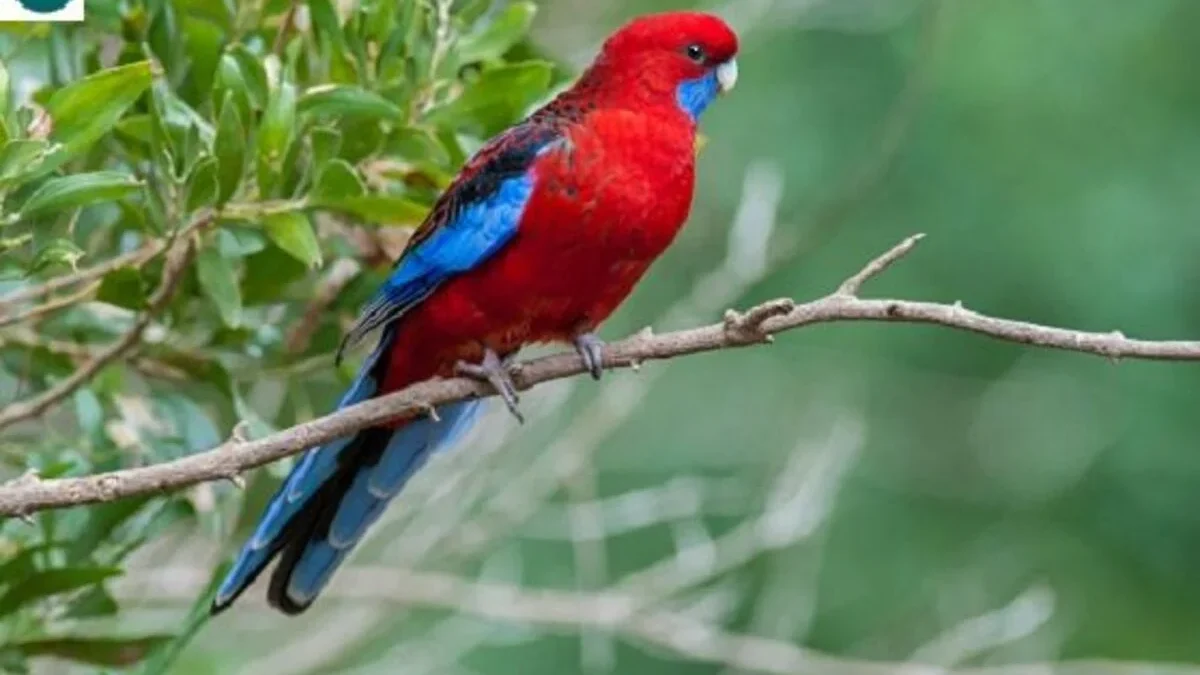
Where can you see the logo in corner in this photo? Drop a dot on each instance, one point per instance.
(44, 6)
(28, 11)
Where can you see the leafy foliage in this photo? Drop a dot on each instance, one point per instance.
(309, 132)
(1048, 148)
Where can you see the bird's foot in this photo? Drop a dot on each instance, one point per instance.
(591, 348)
(495, 372)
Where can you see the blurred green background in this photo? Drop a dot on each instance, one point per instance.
(944, 497)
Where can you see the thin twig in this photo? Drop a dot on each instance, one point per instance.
(836, 307)
(851, 287)
(426, 98)
(342, 273)
(179, 255)
(50, 307)
(131, 259)
(82, 353)
(285, 27)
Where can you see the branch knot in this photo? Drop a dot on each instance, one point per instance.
(748, 328)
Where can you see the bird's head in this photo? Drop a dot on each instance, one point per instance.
(684, 58)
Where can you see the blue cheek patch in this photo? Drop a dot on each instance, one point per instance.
(695, 95)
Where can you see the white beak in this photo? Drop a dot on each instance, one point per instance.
(727, 74)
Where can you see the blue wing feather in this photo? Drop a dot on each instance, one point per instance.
(473, 220)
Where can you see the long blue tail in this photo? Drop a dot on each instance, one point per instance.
(333, 494)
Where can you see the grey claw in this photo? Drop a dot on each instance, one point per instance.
(493, 371)
(591, 348)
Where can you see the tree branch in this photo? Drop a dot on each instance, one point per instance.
(10, 302)
(30, 494)
(50, 306)
(179, 254)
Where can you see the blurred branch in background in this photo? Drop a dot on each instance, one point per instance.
(618, 611)
(834, 211)
(180, 250)
(10, 302)
(340, 274)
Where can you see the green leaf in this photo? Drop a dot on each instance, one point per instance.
(21, 157)
(470, 11)
(11, 660)
(135, 132)
(294, 170)
(9, 243)
(21, 566)
(177, 113)
(499, 36)
(166, 139)
(81, 189)
(325, 23)
(293, 232)
(268, 273)
(163, 38)
(236, 241)
(360, 141)
(124, 287)
(102, 521)
(332, 41)
(417, 145)
(93, 603)
(378, 20)
(56, 252)
(134, 216)
(231, 87)
(325, 145)
(89, 412)
(5, 91)
(338, 180)
(47, 583)
(251, 71)
(257, 427)
(230, 149)
(204, 40)
(376, 209)
(342, 101)
(498, 98)
(274, 137)
(164, 656)
(86, 109)
(219, 282)
(219, 13)
(278, 122)
(201, 184)
(110, 652)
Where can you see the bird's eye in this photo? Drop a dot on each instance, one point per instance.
(695, 53)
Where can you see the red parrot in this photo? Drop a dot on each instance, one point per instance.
(544, 232)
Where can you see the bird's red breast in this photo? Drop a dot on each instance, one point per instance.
(609, 196)
(606, 204)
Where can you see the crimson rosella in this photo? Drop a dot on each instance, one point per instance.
(542, 234)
